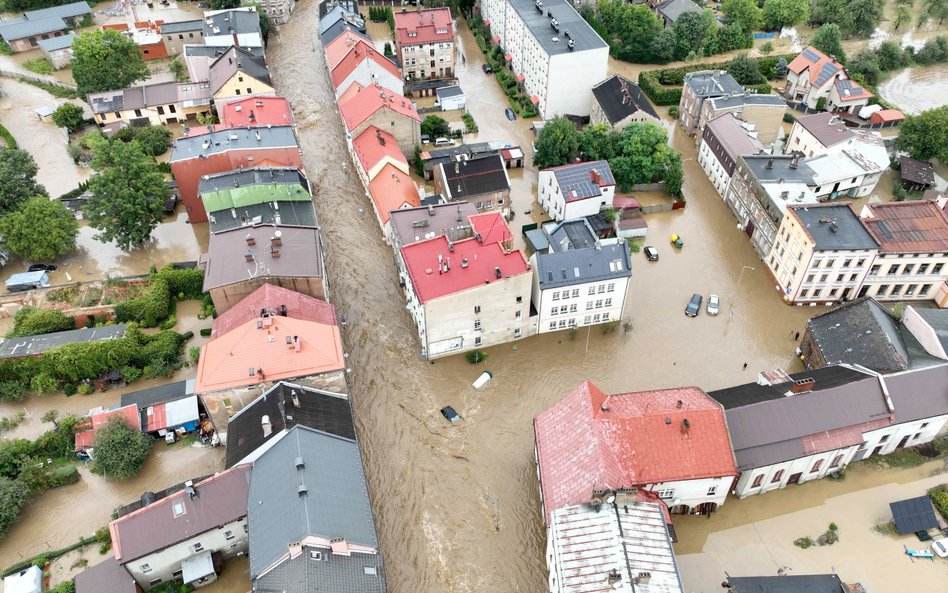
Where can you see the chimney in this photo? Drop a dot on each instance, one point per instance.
(803, 385)
(296, 343)
(277, 239)
(430, 210)
(250, 239)
(614, 577)
(770, 164)
(248, 256)
(236, 41)
(795, 162)
(265, 424)
(643, 578)
(257, 134)
(295, 397)
(685, 426)
(678, 404)
(274, 251)
(497, 273)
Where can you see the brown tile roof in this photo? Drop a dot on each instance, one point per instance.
(828, 128)
(916, 171)
(225, 261)
(109, 576)
(908, 227)
(273, 297)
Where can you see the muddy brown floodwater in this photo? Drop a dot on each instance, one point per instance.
(915, 90)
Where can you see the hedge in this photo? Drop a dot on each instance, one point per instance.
(664, 86)
(62, 475)
(7, 137)
(149, 309)
(939, 498)
(189, 282)
(30, 321)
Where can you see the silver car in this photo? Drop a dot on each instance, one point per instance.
(714, 304)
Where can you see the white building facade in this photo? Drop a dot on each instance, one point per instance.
(575, 191)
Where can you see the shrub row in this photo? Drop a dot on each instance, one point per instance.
(183, 283)
(30, 321)
(664, 86)
(149, 309)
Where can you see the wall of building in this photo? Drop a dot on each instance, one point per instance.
(59, 58)
(905, 276)
(32, 42)
(157, 115)
(689, 110)
(175, 42)
(589, 303)
(778, 475)
(716, 172)
(767, 119)
(923, 332)
(165, 563)
(572, 75)
(550, 197)
(366, 75)
(241, 86)
(692, 493)
(226, 297)
(279, 11)
(427, 61)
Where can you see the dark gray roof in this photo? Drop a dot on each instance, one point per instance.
(938, 320)
(252, 176)
(834, 227)
(298, 214)
(811, 583)
(672, 9)
(916, 171)
(775, 167)
(860, 332)
(189, 147)
(24, 28)
(449, 91)
(825, 378)
(619, 98)
(107, 575)
(337, 14)
(432, 158)
(358, 573)
(227, 22)
(225, 264)
(576, 180)
(826, 127)
(33, 345)
(712, 83)
(580, 266)
(775, 430)
(334, 503)
(182, 26)
(63, 11)
(237, 59)
(321, 410)
(919, 393)
(569, 20)
(160, 394)
(410, 225)
(474, 177)
(57, 43)
(337, 29)
(747, 99)
(913, 514)
(572, 234)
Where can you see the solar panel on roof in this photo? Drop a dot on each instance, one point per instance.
(810, 55)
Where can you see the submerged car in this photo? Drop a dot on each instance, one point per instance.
(714, 304)
(487, 68)
(510, 114)
(651, 253)
(694, 305)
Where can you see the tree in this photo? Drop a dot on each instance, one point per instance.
(106, 60)
(128, 193)
(120, 450)
(40, 230)
(827, 39)
(224, 4)
(692, 31)
(831, 11)
(663, 47)
(782, 68)
(597, 142)
(387, 50)
(674, 176)
(745, 70)
(644, 155)
(925, 136)
(69, 116)
(13, 495)
(902, 16)
(30, 321)
(435, 127)
(557, 145)
(866, 16)
(864, 68)
(785, 13)
(745, 12)
(179, 70)
(767, 48)
(154, 140)
(633, 28)
(17, 179)
(890, 56)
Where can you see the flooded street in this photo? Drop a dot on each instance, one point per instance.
(915, 90)
(451, 501)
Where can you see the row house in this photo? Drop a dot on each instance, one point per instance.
(591, 442)
(337, 49)
(818, 134)
(374, 105)
(365, 65)
(391, 189)
(372, 150)
(791, 429)
(194, 156)
(235, 26)
(424, 43)
(343, 17)
(697, 88)
(236, 74)
(178, 34)
(557, 57)
(724, 139)
(577, 190)
(822, 253)
(762, 188)
(146, 35)
(257, 196)
(764, 112)
(151, 104)
(618, 102)
(412, 225)
(481, 181)
(853, 171)
(468, 294)
(579, 280)
(26, 33)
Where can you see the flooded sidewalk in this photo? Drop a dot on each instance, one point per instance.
(754, 537)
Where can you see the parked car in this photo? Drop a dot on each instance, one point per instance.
(510, 114)
(487, 68)
(940, 547)
(425, 139)
(714, 304)
(651, 253)
(694, 305)
(444, 142)
(42, 268)
(450, 414)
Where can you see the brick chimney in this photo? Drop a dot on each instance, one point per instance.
(803, 385)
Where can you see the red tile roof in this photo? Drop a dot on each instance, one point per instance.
(373, 145)
(908, 227)
(341, 45)
(233, 359)
(369, 100)
(392, 189)
(128, 413)
(483, 257)
(886, 115)
(350, 92)
(358, 54)
(429, 25)
(257, 111)
(639, 438)
(272, 297)
(802, 62)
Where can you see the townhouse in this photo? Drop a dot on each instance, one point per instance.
(467, 294)
(482, 181)
(424, 43)
(555, 55)
(194, 156)
(697, 88)
(579, 280)
(411, 225)
(618, 102)
(339, 20)
(236, 26)
(340, 47)
(852, 170)
(764, 112)
(374, 105)
(391, 189)
(255, 111)
(257, 196)
(178, 34)
(822, 253)
(26, 33)
(365, 65)
(817, 134)
(573, 191)
(151, 104)
(372, 150)
(590, 443)
(238, 73)
(724, 139)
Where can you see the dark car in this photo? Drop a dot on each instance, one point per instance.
(510, 114)
(487, 68)
(450, 414)
(42, 268)
(651, 253)
(694, 306)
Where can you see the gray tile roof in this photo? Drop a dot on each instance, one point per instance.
(237, 59)
(810, 583)
(227, 22)
(449, 91)
(834, 227)
(571, 234)
(33, 345)
(672, 9)
(938, 320)
(358, 573)
(63, 11)
(733, 137)
(410, 225)
(569, 20)
(182, 26)
(225, 262)
(580, 266)
(712, 83)
(827, 127)
(747, 98)
(775, 167)
(825, 378)
(474, 177)
(340, 14)
(619, 98)
(337, 29)
(27, 28)
(920, 393)
(335, 501)
(576, 180)
(160, 394)
(860, 332)
(297, 214)
(107, 575)
(57, 43)
(189, 147)
(252, 176)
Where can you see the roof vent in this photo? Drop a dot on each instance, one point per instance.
(643, 578)
(770, 164)
(614, 577)
(301, 490)
(685, 426)
(293, 395)
(497, 272)
(300, 464)
(464, 262)
(265, 424)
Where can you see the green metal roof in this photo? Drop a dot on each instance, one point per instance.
(250, 195)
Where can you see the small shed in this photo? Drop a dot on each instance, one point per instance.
(913, 515)
(886, 117)
(45, 114)
(450, 98)
(27, 281)
(28, 580)
(58, 50)
(513, 157)
(916, 175)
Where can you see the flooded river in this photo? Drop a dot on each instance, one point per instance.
(915, 90)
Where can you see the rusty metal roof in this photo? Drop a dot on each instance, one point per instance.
(908, 227)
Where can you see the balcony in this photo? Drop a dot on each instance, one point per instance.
(905, 278)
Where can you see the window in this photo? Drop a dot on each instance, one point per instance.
(228, 535)
(599, 303)
(146, 568)
(924, 290)
(552, 325)
(804, 293)
(852, 277)
(572, 308)
(161, 110)
(777, 477)
(602, 288)
(847, 263)
(883, 288)
(893, 269)
(910, 290)
(519, 300)
(884, 438)
(608, 302)
(809, 278)
(575, 293)
(936, 269)
(908, 269)
(118, 115)
(833, 292)
(556, 295)
(712, 490)
(154, 582)
(875, 270)
(922, 268)
(477, 324)
(518, 315)
(596, 318)
(477, 309)
(758, 480)
(180, 35)
(837, 460)
(840, 277)
(666, 493)
(171, 109)
(611, 287)
(860, 262)
(817, 466)
(589, 305)
(554, 311)
(562, 309)
(605, 316)
(240, 79)
(562, 323)
(178, 509)
(517, 333)
(477, 341)
(923, 426)
(831, 263)
(197, 547)
(587, 319)
(824, 277)
(896, 290)
(592, 290)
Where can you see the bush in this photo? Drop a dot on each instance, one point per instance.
(65, 586)
(186, 336)
(62, 475)
(120, 450)
(69, 389)
(13, 390)
(85, 388)
(7, 137)
(660, 95)
(169, 323)
(38, 65)
(30, 321)
(205, 332)
(803, 542)
(469, 123)
(150, 308)
(13, 495)
(189, 282)
(476, 356)
(194, 354)
(43, 383)
(788, 118)
(673, 111)
(939, 498)
(131, 374)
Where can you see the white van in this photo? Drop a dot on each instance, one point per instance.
(443, 142)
